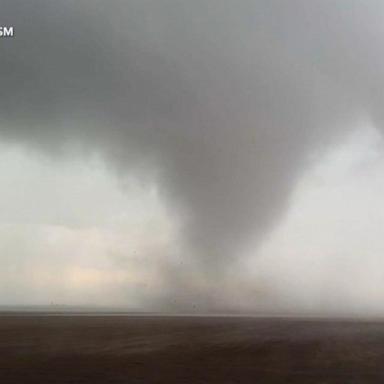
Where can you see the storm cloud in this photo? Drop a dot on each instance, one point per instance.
(220, 104)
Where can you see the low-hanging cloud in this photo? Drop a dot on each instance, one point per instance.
(220, 103)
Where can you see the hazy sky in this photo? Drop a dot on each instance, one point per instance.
(193, 155)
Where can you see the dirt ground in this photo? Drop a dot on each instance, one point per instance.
(142, 349)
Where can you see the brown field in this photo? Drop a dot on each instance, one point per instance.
(144, 349)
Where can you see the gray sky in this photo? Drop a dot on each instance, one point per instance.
(193, 155)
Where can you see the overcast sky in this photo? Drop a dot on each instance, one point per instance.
(193, 155)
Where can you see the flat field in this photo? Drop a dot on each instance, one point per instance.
(173, 349)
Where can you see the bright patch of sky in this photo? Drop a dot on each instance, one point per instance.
(327, 254)
(69, 233)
